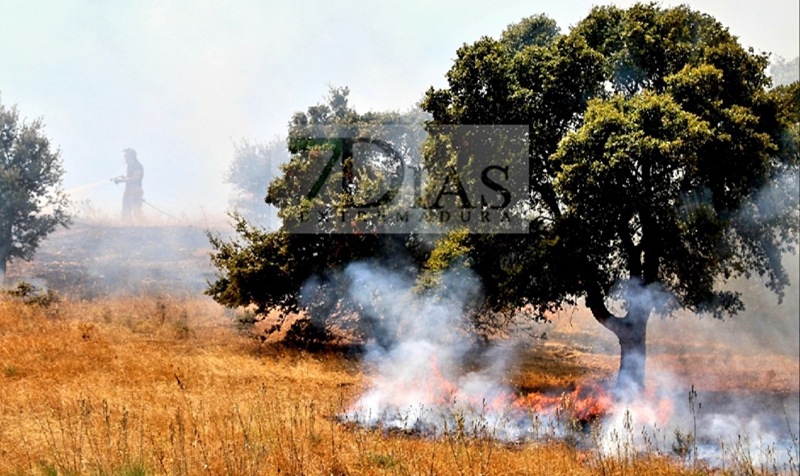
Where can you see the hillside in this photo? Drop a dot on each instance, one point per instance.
(90, 259)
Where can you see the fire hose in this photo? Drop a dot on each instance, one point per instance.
(160, 210)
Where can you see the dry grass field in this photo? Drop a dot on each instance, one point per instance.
(164, 385)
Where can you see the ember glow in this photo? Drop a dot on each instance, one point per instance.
(415, 404)
(584, 405)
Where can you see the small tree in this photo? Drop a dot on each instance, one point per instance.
(32, 202)
(294, 272)
(253, 167)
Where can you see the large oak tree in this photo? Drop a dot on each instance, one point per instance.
(661, 165)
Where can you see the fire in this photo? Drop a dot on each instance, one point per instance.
(651, 407)
(438, 387)
(423, 391)
(582, 404)
(434, 388)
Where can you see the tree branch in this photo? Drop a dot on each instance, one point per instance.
(632, 251)
(596, 304)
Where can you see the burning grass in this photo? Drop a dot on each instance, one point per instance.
(161, 385)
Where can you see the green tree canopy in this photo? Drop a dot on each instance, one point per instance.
(32, 203)
(654, 143)
(289, 271)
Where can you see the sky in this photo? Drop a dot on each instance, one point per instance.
(182, 82)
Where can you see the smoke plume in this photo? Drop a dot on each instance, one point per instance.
(430, 376)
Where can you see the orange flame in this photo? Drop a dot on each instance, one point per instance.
(581, 404)
(437, 386)
(584, 404)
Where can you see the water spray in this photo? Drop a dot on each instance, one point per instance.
(86, 186)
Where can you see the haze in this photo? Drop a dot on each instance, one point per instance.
(181, 81)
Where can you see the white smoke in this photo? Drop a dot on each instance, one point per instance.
(704, 421)
(429, 376)
(423, 375)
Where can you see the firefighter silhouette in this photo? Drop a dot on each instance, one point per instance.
(133, 197)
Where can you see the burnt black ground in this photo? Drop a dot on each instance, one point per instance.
(765, 415)
(89, 260)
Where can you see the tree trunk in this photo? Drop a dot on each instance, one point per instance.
(631, 331)
(632, 335)
(2, 271)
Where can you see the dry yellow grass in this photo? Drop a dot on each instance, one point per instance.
(165, 386)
